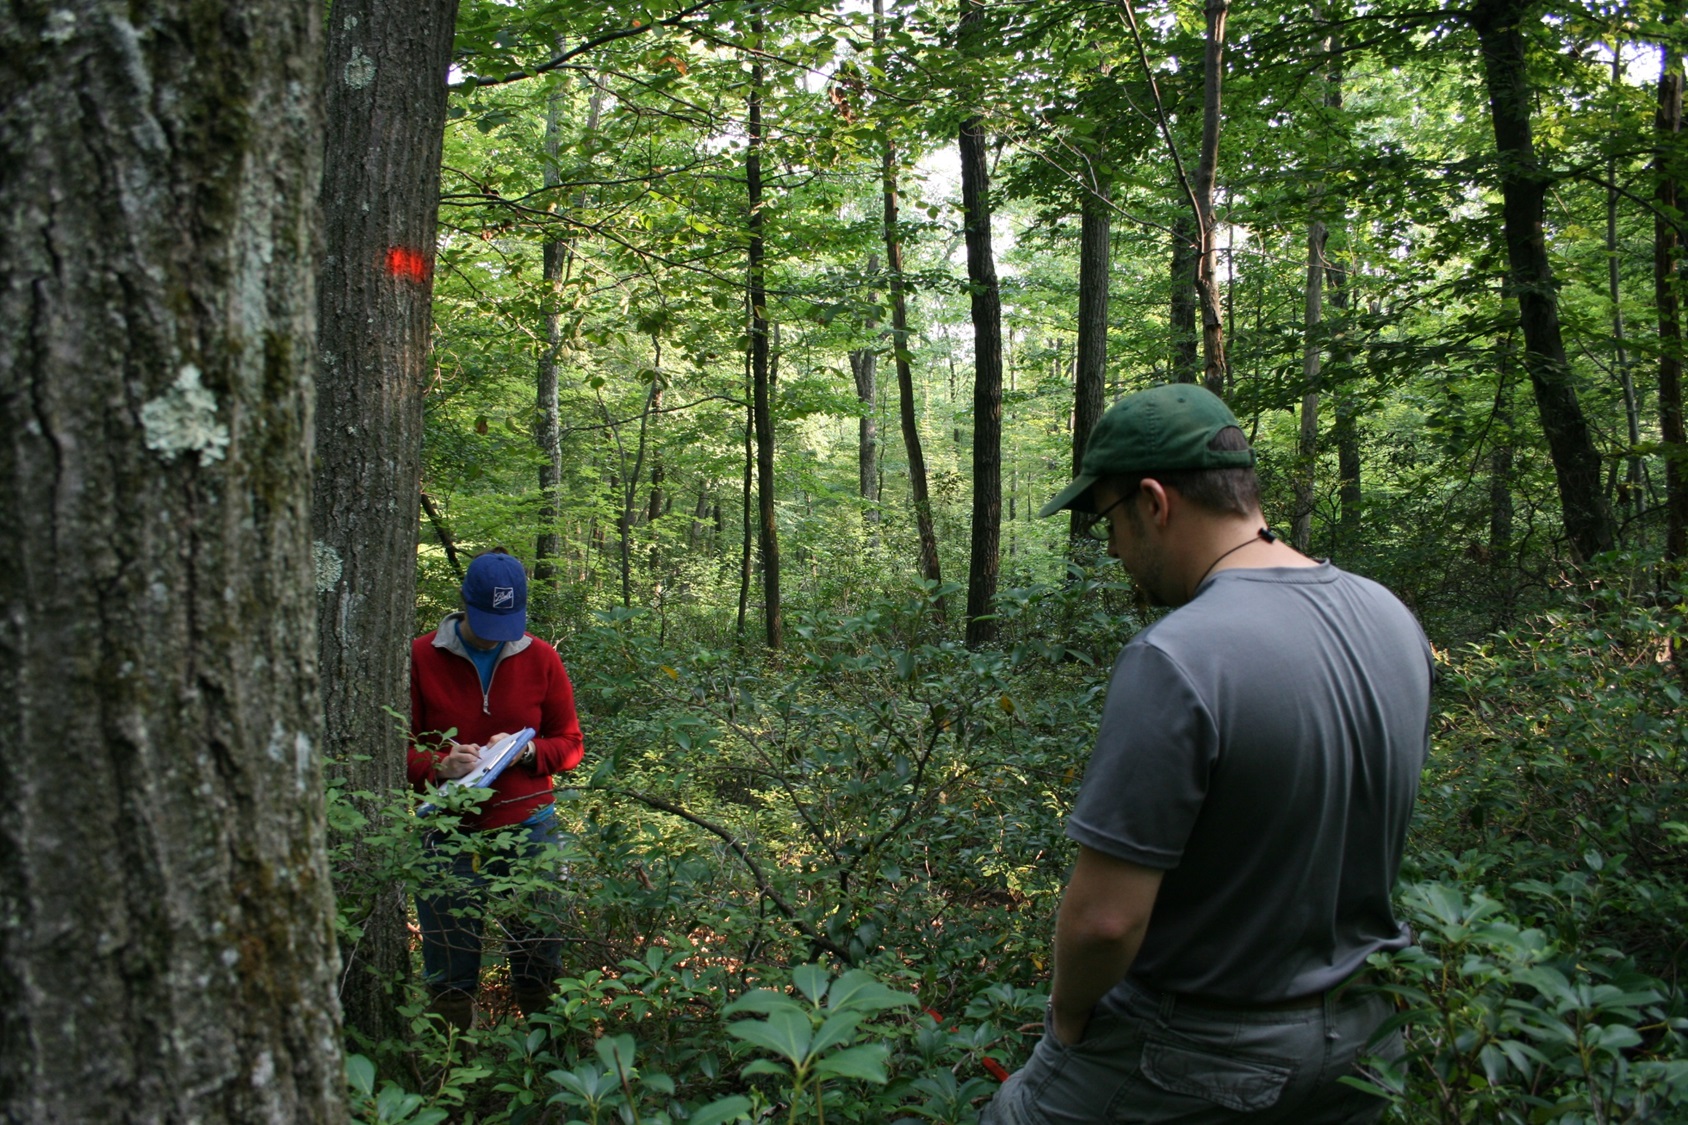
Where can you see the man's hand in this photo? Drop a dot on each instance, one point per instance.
(459, 760)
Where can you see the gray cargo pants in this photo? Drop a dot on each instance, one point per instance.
(1154, 1059)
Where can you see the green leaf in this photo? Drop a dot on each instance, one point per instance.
(360, 1073)
(617, 1051)
(786, 1033)
(721, 1111)
(838, 1027)
(811, 981)
(860, 991)
(766, 1066)
(763, 1000)
(866, 1062)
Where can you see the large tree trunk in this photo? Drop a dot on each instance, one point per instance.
(910, 424)
(985, 558)
(773, 621)
(1667, 249)
(1215, 370)
(1523, 183)
(1091, 363)
(385, 101)
(166, 916)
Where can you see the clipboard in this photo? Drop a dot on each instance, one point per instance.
(486, 771)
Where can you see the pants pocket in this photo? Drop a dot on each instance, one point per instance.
(1245, 1084)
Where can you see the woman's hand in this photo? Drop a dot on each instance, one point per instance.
(459, 760)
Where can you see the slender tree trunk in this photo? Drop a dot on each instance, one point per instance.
(386, 103)
(630, 491)
(925, 529)
(864, 369)
(556, 264)
(1186, 341)
(1667, 251)
(1633, 498)
(448, 543)
(746, 536)
(985, 558)
(1307, 447)
(548, 434)
(166, 911)
(772, 620)
(1500, 464)
(1318, 267)
(1091, 363)
(1216, 371)
(1345, 427)
(1576, 464)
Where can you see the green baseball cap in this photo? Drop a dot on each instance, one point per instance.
(1166, 428)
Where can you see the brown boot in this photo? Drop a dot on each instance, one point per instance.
(454, 1007)
(531, 996)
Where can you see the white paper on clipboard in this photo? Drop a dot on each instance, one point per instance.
(486, 770)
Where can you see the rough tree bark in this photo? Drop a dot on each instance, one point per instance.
(1523, 184)
(166, 922)
(984, 560)
(1091, 364)
(385, 95)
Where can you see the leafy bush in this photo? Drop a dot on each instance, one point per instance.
(780, 869)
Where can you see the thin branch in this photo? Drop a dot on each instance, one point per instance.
(473, 83)
(806, 928)
(1161, 119)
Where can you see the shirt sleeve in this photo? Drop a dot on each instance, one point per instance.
(558, 746)
(420, 763)
(1149, 773)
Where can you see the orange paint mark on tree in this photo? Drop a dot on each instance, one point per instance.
(407, 264)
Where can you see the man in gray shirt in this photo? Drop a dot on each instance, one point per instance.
(1242, 818)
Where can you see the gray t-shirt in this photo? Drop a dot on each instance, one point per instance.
(1262, 745)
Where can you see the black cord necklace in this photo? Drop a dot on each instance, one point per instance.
(1264, 535)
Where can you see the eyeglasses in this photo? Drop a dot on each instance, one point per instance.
(1103, 532)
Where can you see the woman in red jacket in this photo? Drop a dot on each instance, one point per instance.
(479, 677)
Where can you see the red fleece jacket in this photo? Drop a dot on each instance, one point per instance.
(529, 688)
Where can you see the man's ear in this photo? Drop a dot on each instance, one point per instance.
(1160, 501)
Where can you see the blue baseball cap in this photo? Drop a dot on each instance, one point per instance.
(495, 597)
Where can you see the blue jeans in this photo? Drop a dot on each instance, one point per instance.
(1153, 1059)
(453, 916)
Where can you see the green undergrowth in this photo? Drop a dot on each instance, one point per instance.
(819, 885)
